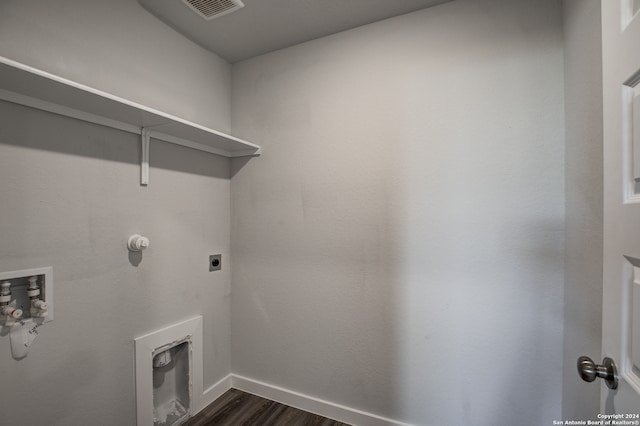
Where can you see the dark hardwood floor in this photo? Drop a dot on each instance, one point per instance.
(238, 408)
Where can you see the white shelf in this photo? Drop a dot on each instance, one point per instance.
(38, 89)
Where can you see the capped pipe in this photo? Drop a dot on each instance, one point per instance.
(137, 242)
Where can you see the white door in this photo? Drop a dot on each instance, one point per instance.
(621, 300)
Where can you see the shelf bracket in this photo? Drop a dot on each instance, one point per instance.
(144, 163)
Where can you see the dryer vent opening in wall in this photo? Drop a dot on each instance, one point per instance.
(211, 9)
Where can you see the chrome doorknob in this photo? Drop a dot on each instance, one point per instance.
(589, 370)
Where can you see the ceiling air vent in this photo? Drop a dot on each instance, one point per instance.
(211, 9)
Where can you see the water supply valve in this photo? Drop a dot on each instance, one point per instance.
(38, 306)
(8, 308)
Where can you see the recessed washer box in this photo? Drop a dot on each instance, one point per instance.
(169, 372)
(20, 284)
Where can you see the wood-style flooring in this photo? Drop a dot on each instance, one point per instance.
(238, 408)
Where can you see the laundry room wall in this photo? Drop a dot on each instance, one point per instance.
(71, 197)
(118, 47)
(398, 247)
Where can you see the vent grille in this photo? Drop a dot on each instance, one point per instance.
(210, 9)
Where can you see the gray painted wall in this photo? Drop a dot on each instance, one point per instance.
(583, 180)
(398, 248)
(117, 47)
(71, 196)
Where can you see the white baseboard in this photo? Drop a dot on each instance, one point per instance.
(215, 392)
(309, 403)
(295, 399)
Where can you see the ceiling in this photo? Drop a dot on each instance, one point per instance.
(266, 25)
